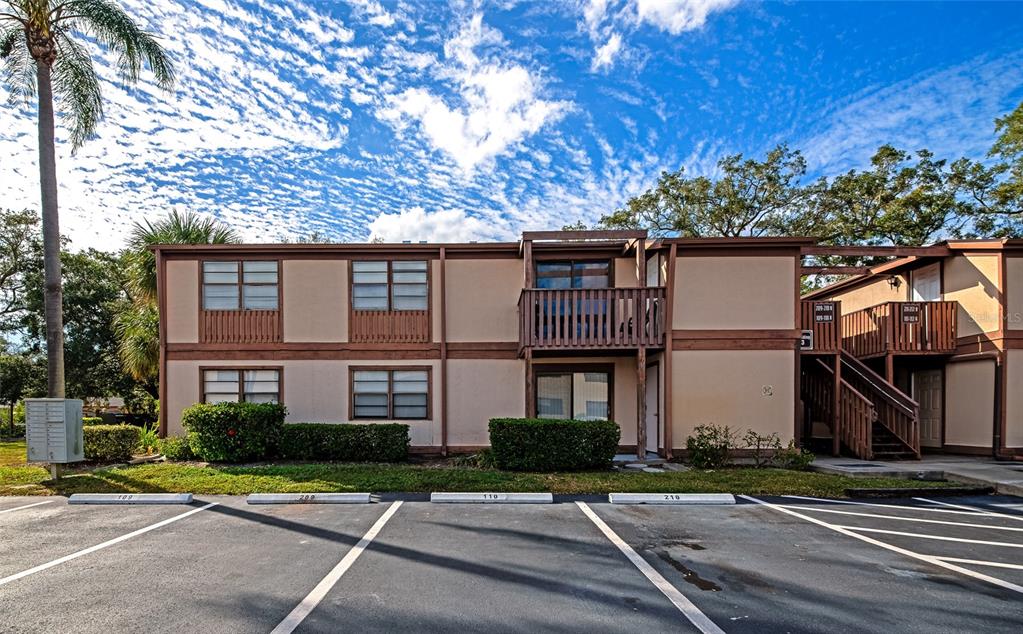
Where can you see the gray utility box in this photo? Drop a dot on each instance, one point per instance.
(53, 428)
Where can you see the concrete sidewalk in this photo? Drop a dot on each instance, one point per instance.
(1006, 477)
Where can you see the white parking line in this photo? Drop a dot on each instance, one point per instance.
(302, 610)
(978, 562)
(27, 506)
(684, 605)
(925, 536)
(903, 519)
(884, 506)
(936, 561)
(975, 509)
(92, 549)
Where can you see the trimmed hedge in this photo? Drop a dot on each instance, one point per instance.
(176, 448)
(234, 432)
(91, 420)
(546, 444)
(110, 443)
(347, 442)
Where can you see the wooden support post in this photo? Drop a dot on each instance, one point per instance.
(443, 355)
(530, 398)
(889, 368)
(641, 403)
(527, 263)
(668, 382)
(641, 262)
(836, 408)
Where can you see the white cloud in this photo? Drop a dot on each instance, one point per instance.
(604, 55)
(499, 103)
(678, 16)
(445, 225)
(606, 20)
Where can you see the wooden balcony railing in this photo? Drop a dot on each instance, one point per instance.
(591, 318)
(239, 326)
(824, 319)
(395, 326)
(901, 327)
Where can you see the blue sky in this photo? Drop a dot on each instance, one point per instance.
(435, 121)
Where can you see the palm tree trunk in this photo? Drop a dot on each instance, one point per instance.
(51, 238)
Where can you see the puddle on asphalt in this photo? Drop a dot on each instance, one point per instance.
(689, 575)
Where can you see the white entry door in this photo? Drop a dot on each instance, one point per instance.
(653, 407)
(927, 392)
(927, 284)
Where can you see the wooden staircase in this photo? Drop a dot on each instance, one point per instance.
(875, 420)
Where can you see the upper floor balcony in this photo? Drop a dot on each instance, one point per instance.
(887, 328)
(592, 318)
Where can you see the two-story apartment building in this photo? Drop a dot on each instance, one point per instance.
(945, 328)
(660, 335)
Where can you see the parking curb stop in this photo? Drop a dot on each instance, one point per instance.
(671, 498)
(308, 498)
(492, 498)
(130, 498)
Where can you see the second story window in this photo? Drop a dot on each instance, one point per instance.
(573, 274)
(245, 285)
(397, 285)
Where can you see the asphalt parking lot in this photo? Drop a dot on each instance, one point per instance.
(770, 564)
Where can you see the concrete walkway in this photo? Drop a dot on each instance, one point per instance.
(1006, 477)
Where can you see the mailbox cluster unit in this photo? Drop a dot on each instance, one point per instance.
(53, 429)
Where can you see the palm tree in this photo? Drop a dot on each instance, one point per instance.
(41, 55)
(137, 324)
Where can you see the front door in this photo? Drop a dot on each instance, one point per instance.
(653, 408)
(927, 392)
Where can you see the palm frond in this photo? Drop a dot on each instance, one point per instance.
(19, 71)
(175, 228)
(77, 87)
(138, 341)
(114, 28)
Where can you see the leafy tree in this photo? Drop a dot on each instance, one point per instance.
(750, 198)
(137, 323)
(20, 245)
(43, 55)
(15, 380)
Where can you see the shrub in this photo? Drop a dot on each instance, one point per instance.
(710, 446)
(149, 439)
(110, 443)
(794, 457)
(545, 444)
(234, 432)
(92, 420)
(176, 448)
(763, 448)
(348, 442)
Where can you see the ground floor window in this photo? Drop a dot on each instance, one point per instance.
(239, 385)
(583, 395)
(391, 393)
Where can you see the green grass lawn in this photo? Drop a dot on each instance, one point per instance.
(17, 478)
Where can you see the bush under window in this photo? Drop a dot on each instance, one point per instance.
(544, 444)
(234, 432)
(347, 442)
(110, 443)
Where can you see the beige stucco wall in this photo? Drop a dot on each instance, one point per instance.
(1014, 399)
(1014, 293)
(315, 300)
(482, 389)
(734, 292)
(314, 392)
(972, 280)
(877, 292)
(626, 273)
(727, 387)
(483, 299)
(435, 300)
(969, 403)
(182, 315)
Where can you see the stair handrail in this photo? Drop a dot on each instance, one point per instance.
(889, 392)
